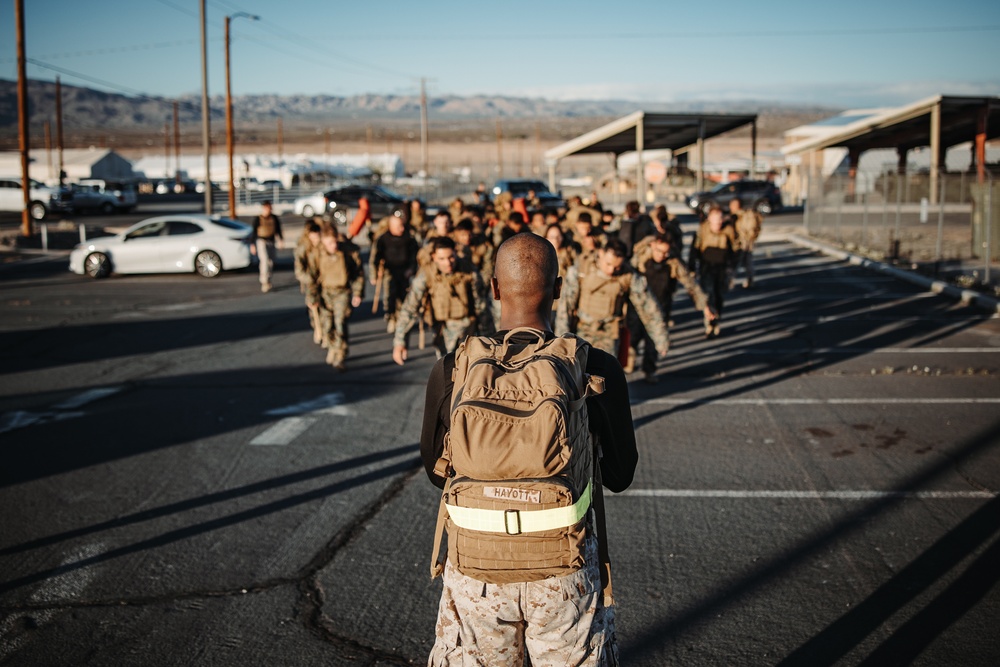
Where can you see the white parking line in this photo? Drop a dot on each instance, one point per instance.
(805, 495)
(328, 404)
(284, 431)
(816, 401)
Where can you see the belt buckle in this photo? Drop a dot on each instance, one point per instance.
(516, 514)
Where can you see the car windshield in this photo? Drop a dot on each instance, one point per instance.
(231, 224)
(721, 187)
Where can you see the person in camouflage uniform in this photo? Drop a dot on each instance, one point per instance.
(713, 254)
(586, 240)
(560, 620)
(443, 227)
(473, 249)
(747, 224)
(341, 285)
(457, 302)
(594, 299)
(656, 259)
(306, 252)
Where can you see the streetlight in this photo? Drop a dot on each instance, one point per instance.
(229, 115)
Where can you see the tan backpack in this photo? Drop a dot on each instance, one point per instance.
(519, 459)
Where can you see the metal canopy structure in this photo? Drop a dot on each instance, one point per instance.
(643, 130)
(938, 122)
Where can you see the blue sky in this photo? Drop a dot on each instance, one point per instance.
(843, 54)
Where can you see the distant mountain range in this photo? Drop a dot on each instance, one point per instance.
(91, 109)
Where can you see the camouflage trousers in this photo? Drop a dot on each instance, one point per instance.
(334, 309)
(603, 337)
(447, 335)
(557, 621)
(312, 303)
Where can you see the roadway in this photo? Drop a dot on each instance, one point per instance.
(185, 482)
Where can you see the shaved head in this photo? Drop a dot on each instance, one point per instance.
(526, 278)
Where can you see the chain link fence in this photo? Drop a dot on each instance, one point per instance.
(889, 216)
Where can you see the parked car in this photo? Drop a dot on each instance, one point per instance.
(90, 198)
(522, 187)
(761, 196)
(336, 204)
(43, 199)
(167, 244)
(123, 191)
(310, 205)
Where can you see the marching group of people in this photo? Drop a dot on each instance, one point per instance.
(619, 273)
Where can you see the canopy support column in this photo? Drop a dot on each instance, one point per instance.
(935, 152)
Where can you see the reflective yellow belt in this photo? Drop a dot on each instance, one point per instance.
(515, 522)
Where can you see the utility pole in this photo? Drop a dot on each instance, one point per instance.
(22, 118)
(177, 148)
(166, 149)
(368, 137)
(281, 140)
(59, 132)
(229, 131)
(47, 129)
(423, 125)
(206, 141)
(229, 116)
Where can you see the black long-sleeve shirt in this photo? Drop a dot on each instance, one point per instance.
(610, 417)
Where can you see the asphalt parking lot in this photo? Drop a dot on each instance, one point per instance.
(185, 481)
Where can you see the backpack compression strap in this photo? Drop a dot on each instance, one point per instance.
(515, 522)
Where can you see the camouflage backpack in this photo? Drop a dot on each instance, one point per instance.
(519, 459)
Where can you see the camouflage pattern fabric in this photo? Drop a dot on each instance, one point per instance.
(334, 312)
(602, 330)
(557, 621)
(449, 333)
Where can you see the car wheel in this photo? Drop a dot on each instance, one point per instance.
(208, 264)
(97, 265)
(107, 208)
(307, 211)
(37, 210)
(763, 207)
(340, 216)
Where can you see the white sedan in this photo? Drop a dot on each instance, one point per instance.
(167, 244)
(314, 204)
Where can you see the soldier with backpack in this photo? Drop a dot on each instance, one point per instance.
(596, 296)
(457, 302)
(521, 430)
